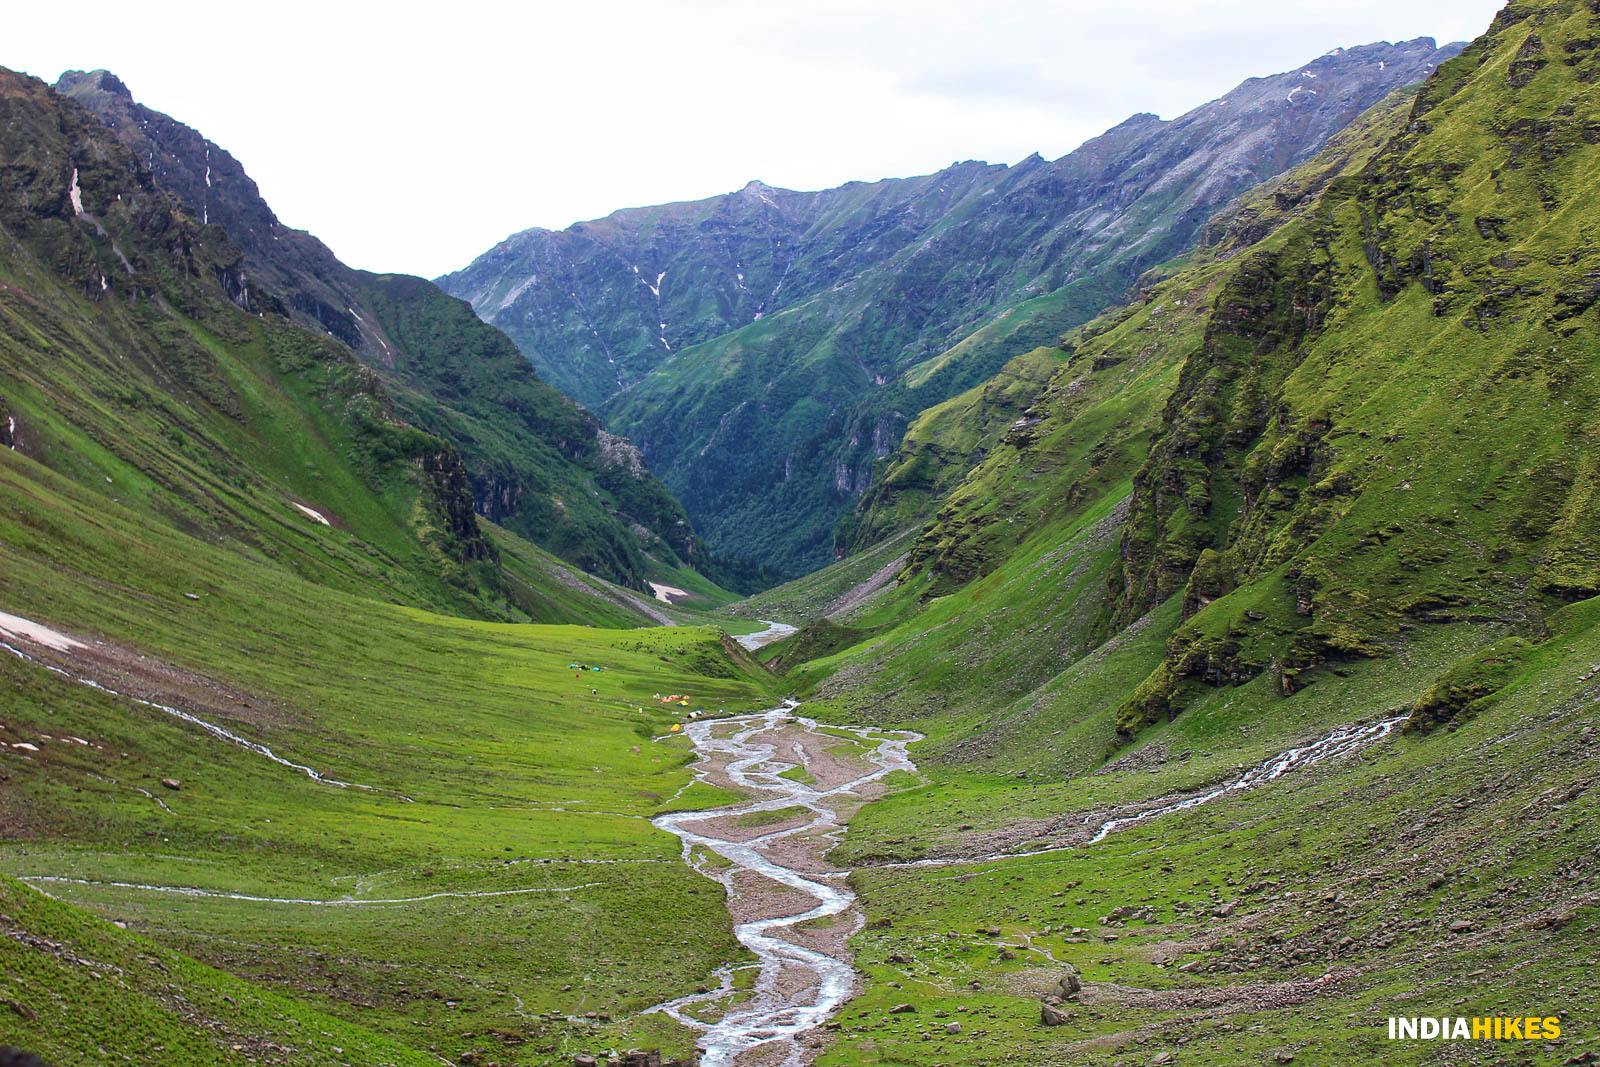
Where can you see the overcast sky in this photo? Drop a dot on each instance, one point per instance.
(412, 137)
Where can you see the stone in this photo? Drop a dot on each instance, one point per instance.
(1069, 984)
(172, 783)
(1050, 1015)
(903, 1009)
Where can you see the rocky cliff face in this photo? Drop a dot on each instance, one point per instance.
(762, 347)
(127, 360)
(535, 461)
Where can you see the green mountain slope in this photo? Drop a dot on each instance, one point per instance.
(1299, 446)
(256, 715)
(1338, 454)
(766, 348)
(537, 463)
(1332, 471)
(127, 367)
(488, 872)
(1012, 414)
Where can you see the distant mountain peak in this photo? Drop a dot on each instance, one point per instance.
(101, 80)
(876, 282)
(760, 190)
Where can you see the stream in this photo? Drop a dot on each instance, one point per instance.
(786, 900)
(775, 631)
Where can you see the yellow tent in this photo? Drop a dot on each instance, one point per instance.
(677, 727)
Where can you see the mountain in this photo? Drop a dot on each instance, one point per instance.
(1014, 410)
(536, 463)
(287, 774)
(128, 366)
(768, 347)
(1333, 473)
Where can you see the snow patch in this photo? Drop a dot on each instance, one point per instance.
(311, 513)
(775, 631)
(75, 194)
(17, 627)
(510, 298)
(666, 593)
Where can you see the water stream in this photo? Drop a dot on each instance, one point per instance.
(766, 1027)
(775, 631)
(797, 985)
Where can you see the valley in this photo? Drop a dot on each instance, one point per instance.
(1134, 610)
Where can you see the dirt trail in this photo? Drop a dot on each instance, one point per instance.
(790, 907)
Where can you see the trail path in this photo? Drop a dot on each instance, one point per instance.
(790, 907)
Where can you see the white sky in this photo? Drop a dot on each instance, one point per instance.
(412, 137)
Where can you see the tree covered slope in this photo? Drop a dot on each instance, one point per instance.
(536, 463)
(766, 348)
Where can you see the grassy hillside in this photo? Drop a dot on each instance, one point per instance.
(479, 763)
(125, 365)
(1338, 454)
(334, 816)
(1333, 470)
(536, 463)
(1014, 412)
(1457, 878)
(766, 348)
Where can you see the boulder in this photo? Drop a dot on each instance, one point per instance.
(1069, 984)
(1050, 1015)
